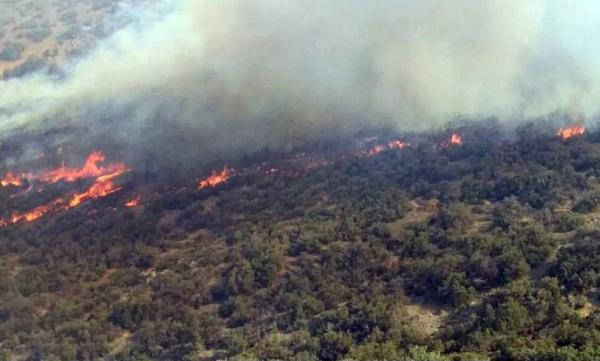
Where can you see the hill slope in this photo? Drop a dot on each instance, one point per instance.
(478, 249)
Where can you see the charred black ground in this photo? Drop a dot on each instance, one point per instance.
(434, 251)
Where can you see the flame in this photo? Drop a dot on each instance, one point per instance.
(11, 180)
(36, 213)
(216, 178)
(570, 132)
(102, 187)
(90, 168)
(396, 144)
(376, 150)
(32, 215)
(455, 139)
(134, 202)
(392, 144)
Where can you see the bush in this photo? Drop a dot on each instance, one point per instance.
(38, 35)
(31, 65)
(12, 52)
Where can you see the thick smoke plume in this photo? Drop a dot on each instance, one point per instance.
(214, 75)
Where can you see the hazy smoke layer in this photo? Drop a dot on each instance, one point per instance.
(241, 74)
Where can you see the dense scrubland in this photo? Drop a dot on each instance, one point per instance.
(485, 250)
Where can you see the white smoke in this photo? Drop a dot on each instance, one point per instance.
(268, 72)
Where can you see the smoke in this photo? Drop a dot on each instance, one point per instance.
(215, 76)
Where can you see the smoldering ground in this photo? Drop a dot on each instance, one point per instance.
(212, 78)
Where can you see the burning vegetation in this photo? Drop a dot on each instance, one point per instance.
(103, 185)
(30, 216)
(347, 198)
(295, 165)
(216, 178)
(455, 139)
(11, 180)
(134, 202)
(92, 168)
(375, 150)
(570, 132)
(104, 174)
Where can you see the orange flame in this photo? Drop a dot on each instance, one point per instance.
(396, 144)
(570, 132)
(32, 215)
(134, 202)
(455, 139)
(376, 150)
(216, 178)
(393, 144)
(11, 180)
(102, 187)
(91, 168)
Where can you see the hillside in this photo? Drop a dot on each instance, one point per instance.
(35, 34)
(471, 243)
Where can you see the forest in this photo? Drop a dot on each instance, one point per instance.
(483, 249)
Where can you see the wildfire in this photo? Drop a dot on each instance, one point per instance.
(376, 150)
(91, 168)
(393, 144)
(455, 139)
(32, 215)
(103, 186)
(396, 144)
(216, 178)
(570, 132)
(11, 180)
(134, 202)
